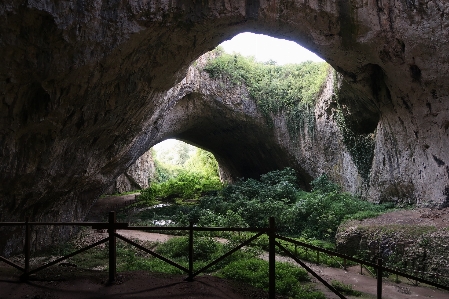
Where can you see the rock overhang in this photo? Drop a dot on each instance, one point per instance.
(84, 88)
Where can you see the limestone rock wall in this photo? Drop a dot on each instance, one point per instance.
(136, 177)
(311, 151)
(84, 91)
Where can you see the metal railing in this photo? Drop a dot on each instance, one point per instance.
(112, 226)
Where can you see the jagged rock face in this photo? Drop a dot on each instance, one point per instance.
(222, 118)
(84, 90)
(136, 177)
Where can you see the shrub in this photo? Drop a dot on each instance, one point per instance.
(204, 248)
(255, 272)
(186, 185)
(251, 202)
(324, 185)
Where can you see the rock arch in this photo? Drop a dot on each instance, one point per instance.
(84, 87)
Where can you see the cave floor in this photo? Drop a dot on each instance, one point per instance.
(136, 284)
(69, 282)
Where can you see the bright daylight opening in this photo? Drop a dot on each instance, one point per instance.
(265, 48)
(173, 158)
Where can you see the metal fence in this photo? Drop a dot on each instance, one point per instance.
(112, 226)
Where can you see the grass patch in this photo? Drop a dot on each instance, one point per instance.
(345, 289)
(255, 272)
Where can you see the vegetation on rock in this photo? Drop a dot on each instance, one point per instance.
(360, 147)
(291, 89)
(411, 248)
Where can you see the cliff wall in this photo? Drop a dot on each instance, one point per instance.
(85, 87)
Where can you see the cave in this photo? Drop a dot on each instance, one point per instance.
(86, 90)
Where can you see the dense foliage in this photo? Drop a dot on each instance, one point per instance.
(291, 88)
(250, 203)
(241, 266)
(195, 173)
(185, 185)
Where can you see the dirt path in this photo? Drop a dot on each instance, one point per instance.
(364, 283)
(144, 285)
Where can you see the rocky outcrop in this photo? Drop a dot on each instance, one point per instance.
(221, 116)
(84, 90)
(412, 240)
(136, 177)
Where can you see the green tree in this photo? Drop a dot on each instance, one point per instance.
(203, 162)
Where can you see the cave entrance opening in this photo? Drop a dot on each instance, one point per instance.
(241, 147)
(173, 158)
(233, 114)
(166, 162)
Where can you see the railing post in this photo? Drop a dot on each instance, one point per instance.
(190, 251)
(345, 264)
(27, 248)
(112, 248)
(379, 278)
(272, 260)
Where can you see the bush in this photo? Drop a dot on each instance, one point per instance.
(203, 248)
(186, 185)
(324, 185)
(255, 272)
(314, 214)
(251, 202)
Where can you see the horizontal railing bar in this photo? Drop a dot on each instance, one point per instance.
(330, 252)
(196, 228)
(308, 269)
(359, 261)
(225, 255)
(52, 223)
(437, 285)
(5, 260)
(67, 256)
(151, 252)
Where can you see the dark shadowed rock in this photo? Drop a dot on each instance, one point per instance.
(87, 87)
(136, 177)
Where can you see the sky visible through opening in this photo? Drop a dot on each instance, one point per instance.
(263, 48)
